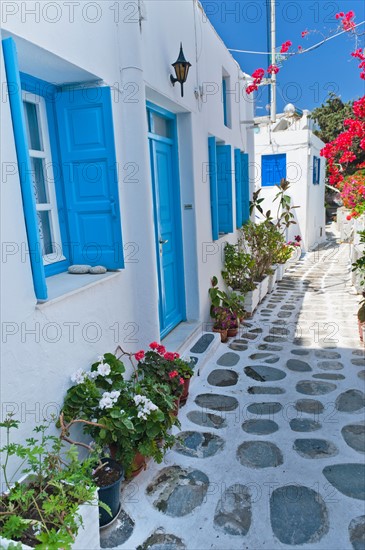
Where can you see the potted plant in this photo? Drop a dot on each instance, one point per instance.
(221, 317)
(54, 504)
(361, 319)
(122, 415)
(282, 258)
(234, 302)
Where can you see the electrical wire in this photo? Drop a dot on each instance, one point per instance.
(315, 46)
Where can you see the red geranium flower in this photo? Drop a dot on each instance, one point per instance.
(154, 345)
(169, 356)
(182, 381)
(161, 349)
(173, 374)
(139, 355)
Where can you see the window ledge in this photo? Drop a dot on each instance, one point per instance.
(64, 285)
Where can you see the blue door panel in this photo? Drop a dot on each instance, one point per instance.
(169, 256)
(87, 149)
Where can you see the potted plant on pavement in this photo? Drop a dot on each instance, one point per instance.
(54, 504)
(221, 318)
(120, 414)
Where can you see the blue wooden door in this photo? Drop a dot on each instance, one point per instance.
(167, 221)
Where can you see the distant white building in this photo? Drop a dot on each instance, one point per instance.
(289, 149)
(105, 163)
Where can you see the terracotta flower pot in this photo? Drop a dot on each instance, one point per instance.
(139, 463)
(223, 333)
(185, 393)
(232, 332)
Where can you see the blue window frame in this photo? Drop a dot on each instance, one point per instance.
(220, 174)
(73, 132)
(316, 170)
(273, 169)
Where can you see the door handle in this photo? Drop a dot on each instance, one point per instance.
(162, 241)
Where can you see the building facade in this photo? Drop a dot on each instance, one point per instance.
(104, 162)
(289, 149)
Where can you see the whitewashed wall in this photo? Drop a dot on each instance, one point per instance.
(300, 145)
(86, 44)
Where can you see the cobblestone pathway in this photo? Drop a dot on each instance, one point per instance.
(273, 436)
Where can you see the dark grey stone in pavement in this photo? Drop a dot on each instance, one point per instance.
(259, 454)
(162, 541)
(348, 478)
(310, 406)
(324, 354)
(203, 343)
(350, 401)
(223, 378)
(208, 420)
(269, 347)
(228, 359)
(177, 491)
(298, 515)
(315, 448)
(354, 435)
(216, 402)
(357, 533)
(329, 376)
(233, 512)
(260, 426)
(358, 362)
(300, 352)
(298, 366)
(261, 373)
(361, 374)
(330, 365)
(118, 533)
(265, 390)
(308, 387)
(267, 408)
(304, 425)
(198, 445)
(238, 347)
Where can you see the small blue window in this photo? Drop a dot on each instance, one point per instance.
(316, 170)
(273, 169)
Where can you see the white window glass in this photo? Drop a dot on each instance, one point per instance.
(42, 176)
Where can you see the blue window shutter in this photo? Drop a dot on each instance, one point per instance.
(25, 173)
(224, 100)
(245, 193)
(238, 181)
(213, 186)
(87, 150)
(273, 169)
(224, 183)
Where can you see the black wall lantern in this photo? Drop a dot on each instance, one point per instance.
(181, 67)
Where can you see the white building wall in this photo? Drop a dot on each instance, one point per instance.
(299, 145)
(70, 331)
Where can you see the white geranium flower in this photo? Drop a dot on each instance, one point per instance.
(79, 376)
(106, 402)
(114, 394)
(104, 369)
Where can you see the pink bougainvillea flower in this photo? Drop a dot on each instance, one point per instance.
(273, 69)
(305, 33)
(285, 46)
(139, 355)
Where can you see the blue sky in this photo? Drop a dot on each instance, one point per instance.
(306, 79)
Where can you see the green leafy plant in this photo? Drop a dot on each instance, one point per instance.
(238, 268)
(263, 241)
(284, 216)
(42, 512)
(127, 416)
(232, 301)
(359, 265)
